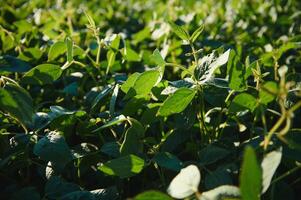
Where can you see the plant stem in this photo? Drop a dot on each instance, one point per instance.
(179, 66)
(286, 174)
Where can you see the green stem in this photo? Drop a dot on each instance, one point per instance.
(286, 174)
(98, 50)
(179, 66)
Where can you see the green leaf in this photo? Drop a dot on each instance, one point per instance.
(250, 176)
(124, 167)
(145, 82)
(130, 55)
(17, 102)
(111, 55)
(53, 148)
(56, 50)
(269, 166)
(177, 102)
(132, 143)
(179, 31)
(157, 58)
(168, 161)
(243, 102)
(114, 121)
(211, 154)
(56, 187)
(268, 92)
(27, 193)
(42, 74)
(111, 149)
(23, 26)
(224, 192)
(217, 178)
(236, 71)
(90, 20)
(196, 33)
(13, 64)
(78, 195)
(141, 35)
(69, 46)
(101, 95)
(31, 54)
(129, 82)
(152, 195)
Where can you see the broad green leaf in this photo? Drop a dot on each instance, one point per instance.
(145, 82)
(152, 195)
(224, 192)
(23, 26)
(243, 102)
(78, 195)
(268, 92)
(129, 82)
(124, 167)
(236, 71)
(56, 187)
(269, 166)
(7, 41)
(217, 178)
(53, 148)
(179, 31)
(17, 102)
(42, 74)
(196, 33)
(141, 35)
(69, 46)
(177, 102)
(211, 154)
(250, 176)
(31, 54)
(157, 58)
(130, 55)
(56, 50)
(12, 64)
(111, 149)
(185, 183)
(287, 46)
(27, 193)
(132, 143)
(168, 160)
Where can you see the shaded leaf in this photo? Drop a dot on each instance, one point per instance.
(17, 102)
(54, 148)
(168, 160)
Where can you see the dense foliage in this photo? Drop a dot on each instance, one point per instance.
(155, 99)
